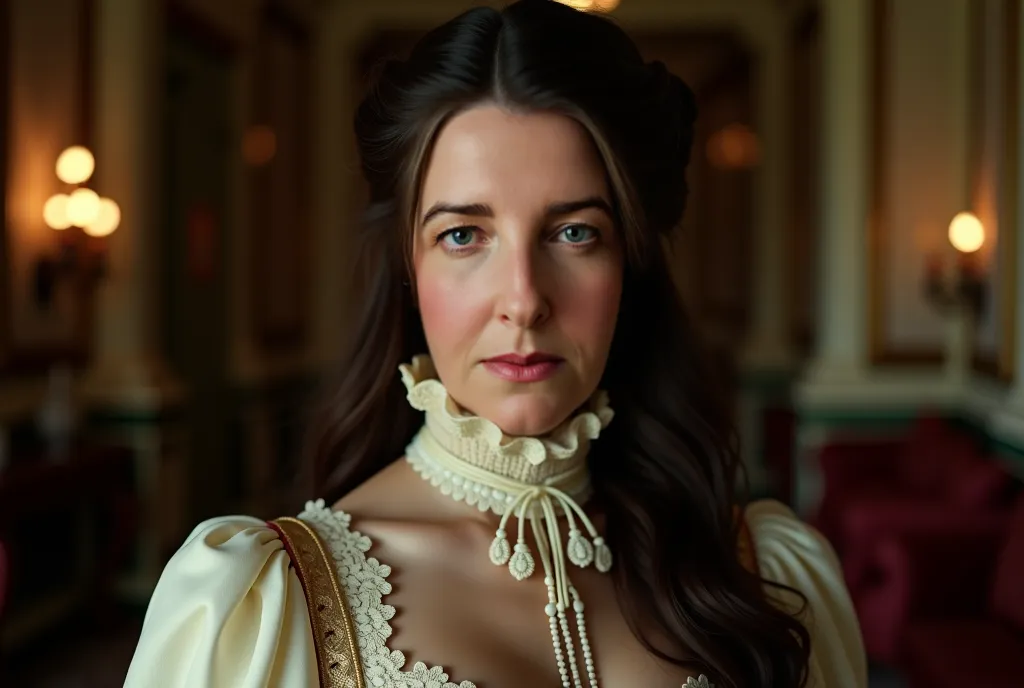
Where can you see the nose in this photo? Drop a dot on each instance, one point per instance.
(522, 302)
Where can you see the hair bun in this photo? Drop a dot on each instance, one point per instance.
(673, 109)
(677, 99)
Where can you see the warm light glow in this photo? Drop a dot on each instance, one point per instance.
(578, 4)
(592, 5)
(259, 145)
(107, 219)
(966, 232)
(55, 212)
(75, 165)
(734, 147)
(83, 207)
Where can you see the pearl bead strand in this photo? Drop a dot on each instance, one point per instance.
(552, 611)
(581, 627)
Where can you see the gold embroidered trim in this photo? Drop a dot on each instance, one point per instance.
(333, 629)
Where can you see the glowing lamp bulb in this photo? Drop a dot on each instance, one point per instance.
(606, 5)
(966, 232)
(55, 212)
(106, 221)
(75, 165)
(83, 207)
(259, 145)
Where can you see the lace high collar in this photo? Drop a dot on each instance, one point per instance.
(532, 478)
(480, 443)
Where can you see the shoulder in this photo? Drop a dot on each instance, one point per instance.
(228, 591)
(786, 545)
(242, 540)
(793, 554)
(220, 559)
(369, 497)
(395, 493)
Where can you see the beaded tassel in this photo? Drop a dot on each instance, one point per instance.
(602, 555)
(500, 552)
(579, 551)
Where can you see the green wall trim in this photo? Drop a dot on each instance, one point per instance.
(765, 378)
(773, 381)
(769, 387)
(1009, 451)
(857, 418)
(882, 420)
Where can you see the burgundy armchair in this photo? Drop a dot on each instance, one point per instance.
(956, 603)
(935, 480)
(919, 483)
(890, 592)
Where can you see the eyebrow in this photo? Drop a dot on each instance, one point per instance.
(484, 210)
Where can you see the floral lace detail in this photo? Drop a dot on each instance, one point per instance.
(426, 393)
(699, 682)
(365, 582)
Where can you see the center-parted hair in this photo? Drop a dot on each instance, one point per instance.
(665, 472)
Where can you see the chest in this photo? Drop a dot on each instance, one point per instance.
(482, 625)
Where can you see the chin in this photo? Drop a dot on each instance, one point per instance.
(528, 415)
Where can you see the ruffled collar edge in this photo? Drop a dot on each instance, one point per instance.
(426, 393)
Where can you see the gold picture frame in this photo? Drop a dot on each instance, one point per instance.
(1000, 363)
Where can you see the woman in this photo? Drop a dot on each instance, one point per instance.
(524, 166)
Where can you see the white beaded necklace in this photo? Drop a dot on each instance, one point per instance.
(531, 478)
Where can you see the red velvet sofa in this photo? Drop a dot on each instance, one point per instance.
(955, 601)
(928, 482)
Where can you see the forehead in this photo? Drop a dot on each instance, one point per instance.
(489, 155)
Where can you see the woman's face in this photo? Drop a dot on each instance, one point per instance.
(518, 266)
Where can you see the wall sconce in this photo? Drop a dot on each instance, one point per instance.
(82, 209)
(968, 287)
(734, 147)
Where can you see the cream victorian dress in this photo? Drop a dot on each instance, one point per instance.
(230, 609)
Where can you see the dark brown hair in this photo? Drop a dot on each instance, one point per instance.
(666, 470)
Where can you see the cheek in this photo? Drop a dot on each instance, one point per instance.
(591, 309)
(450, 312)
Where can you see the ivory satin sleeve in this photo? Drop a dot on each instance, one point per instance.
(228, 611)
(793, 553)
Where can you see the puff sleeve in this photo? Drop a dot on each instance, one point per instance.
(228, 610)
(794, 554)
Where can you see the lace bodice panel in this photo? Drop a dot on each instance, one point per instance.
(366, 583)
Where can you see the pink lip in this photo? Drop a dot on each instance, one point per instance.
(516, 368)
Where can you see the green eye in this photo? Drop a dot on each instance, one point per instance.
(463, 236)
(577, 234)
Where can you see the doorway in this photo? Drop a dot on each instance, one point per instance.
(196, 167)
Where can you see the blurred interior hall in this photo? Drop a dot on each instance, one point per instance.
(179, 191)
